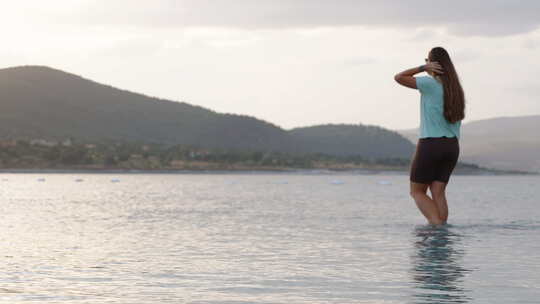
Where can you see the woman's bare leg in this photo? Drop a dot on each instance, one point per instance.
(427, 206)
(438, 193)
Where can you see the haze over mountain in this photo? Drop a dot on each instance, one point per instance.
(507, 143)
(42, 102)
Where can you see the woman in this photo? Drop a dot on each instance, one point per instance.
(442, 107)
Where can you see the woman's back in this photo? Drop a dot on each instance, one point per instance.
(432, 121)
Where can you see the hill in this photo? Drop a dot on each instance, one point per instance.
(347, 139)
(39, 102)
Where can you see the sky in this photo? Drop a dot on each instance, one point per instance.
(292, 63)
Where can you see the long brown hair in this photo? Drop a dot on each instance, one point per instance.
(454, 97)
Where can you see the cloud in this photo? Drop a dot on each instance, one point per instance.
(358, 61)
(467, 55)
(531, 44)
(530, 89)
(131, 47)
(459, 17)
(423, 35)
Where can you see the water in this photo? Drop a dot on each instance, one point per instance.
(265, 238)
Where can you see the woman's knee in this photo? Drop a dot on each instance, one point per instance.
(414, 193)
(437, 189)
(417, 189)
(439, 197)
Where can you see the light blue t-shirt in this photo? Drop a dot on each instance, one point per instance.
(432, 120)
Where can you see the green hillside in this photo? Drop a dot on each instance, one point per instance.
(39, 102)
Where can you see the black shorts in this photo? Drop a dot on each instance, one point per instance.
(434, 159)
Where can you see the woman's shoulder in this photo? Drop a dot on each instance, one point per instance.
(425, 83)
(429, 79)
(433, 79)
(434, 82)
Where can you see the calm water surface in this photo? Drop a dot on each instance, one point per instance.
(265, 238)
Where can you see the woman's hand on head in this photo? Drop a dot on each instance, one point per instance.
(434, 67)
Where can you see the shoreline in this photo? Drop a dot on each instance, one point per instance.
(318, 171)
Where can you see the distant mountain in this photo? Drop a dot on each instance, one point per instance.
(42, 102)
(508, 143)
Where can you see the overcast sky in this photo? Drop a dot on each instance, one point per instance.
(289, 62)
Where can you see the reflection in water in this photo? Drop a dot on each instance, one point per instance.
(437, 271)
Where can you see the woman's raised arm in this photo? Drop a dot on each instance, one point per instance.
(406, 78)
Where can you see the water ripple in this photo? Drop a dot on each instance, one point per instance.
(264, 238)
